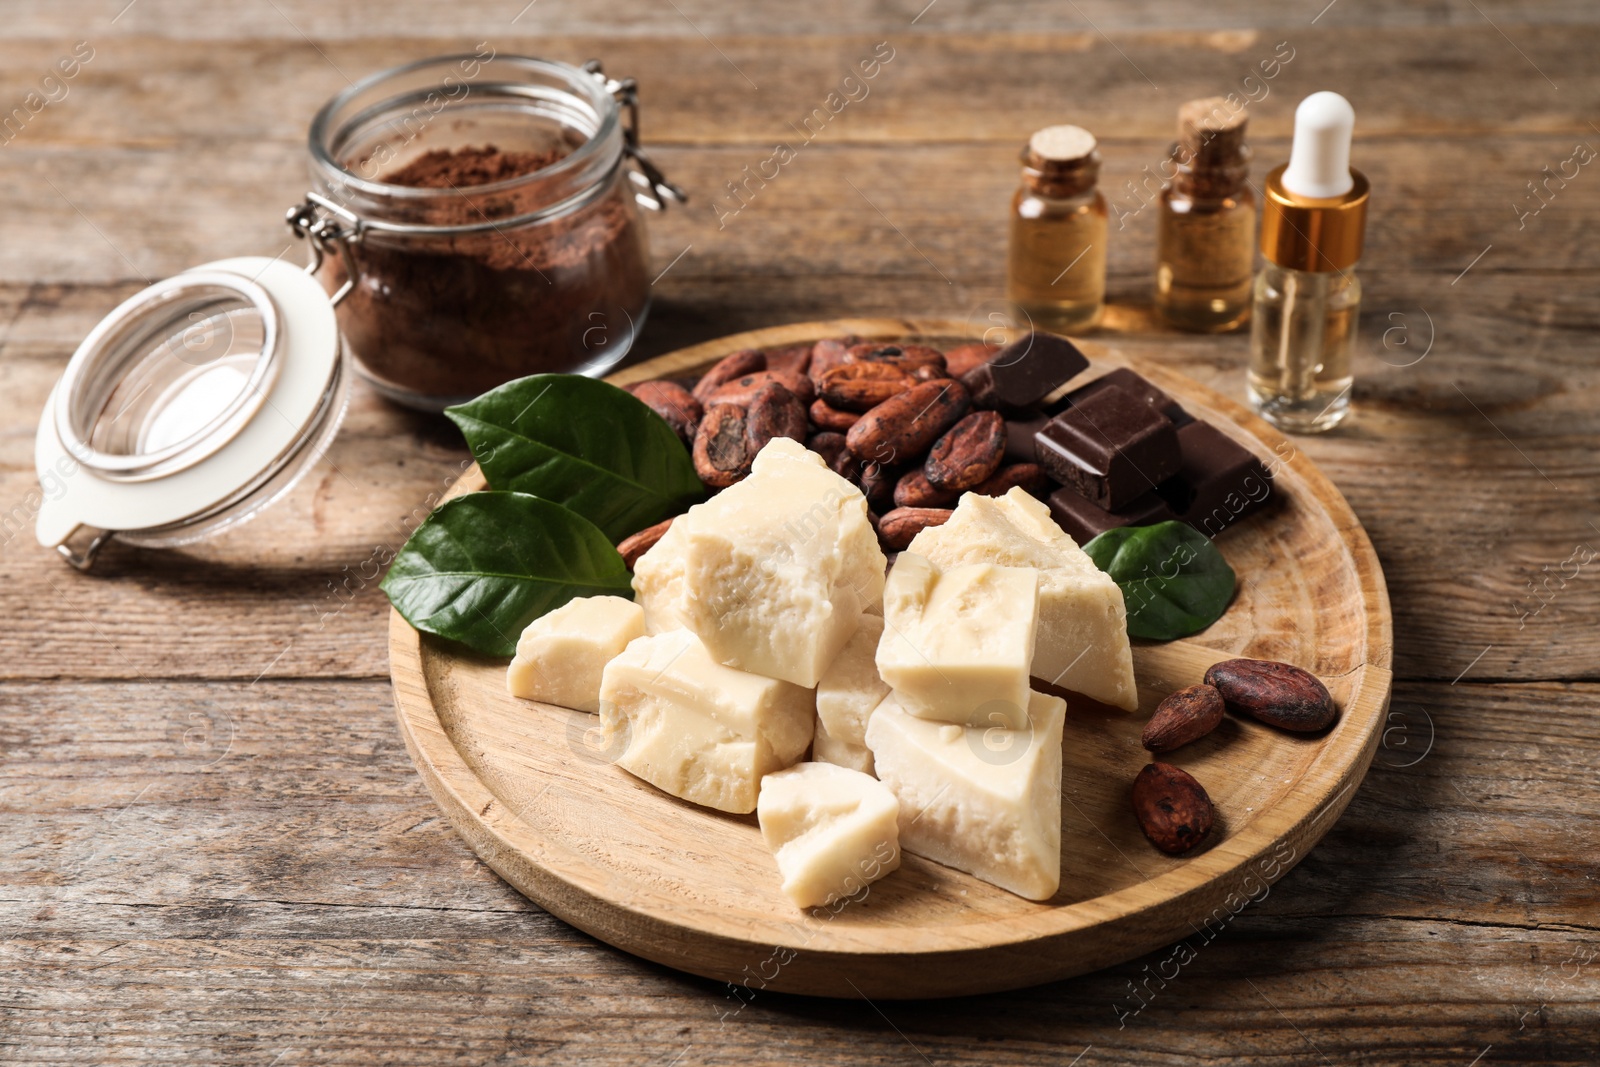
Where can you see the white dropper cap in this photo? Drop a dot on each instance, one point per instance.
(1319, 162)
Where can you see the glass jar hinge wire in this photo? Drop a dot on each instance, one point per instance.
(336, 230)
(658, 190)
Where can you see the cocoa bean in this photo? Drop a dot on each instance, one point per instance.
(962, 358)
(877, 481)
(872, 352)
(925, 364)
(793, 359)
(773, 412)
(913, 490)
(968, 453)
(743, 389)
(827, 354)
(1184, 716)
(1030, 476)
(896, 528)
(721, 452)
(673, 403)
(1172, 808)
(862, 386)
(737, 365)
(922, 363)
(900, 429)
(640, 543)
(1277, 694)
(828, 417)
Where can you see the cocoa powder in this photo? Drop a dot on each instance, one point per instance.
(445, 168)
(448, 316)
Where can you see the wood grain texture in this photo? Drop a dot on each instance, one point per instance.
(291, 20)
(937, 87)
(302, 901)
(231, 873)
(934, 211)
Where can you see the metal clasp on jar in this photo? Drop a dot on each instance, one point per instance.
(649, 177)
(339, 229)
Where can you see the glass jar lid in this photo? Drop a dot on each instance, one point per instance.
(190, 407)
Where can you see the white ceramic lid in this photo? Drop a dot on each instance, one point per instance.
(153, 425)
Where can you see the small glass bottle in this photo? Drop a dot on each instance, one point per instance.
(1206, 246)
(1307, 297)
(1056, 272)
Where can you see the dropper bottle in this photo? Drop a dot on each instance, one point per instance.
(1306, 297)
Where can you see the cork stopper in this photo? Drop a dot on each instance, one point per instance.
(1210, 132)
(1213, 159)
(1061, 161)
(1061, 144)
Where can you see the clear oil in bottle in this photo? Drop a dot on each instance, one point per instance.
(1206, 239)
(1056, 268)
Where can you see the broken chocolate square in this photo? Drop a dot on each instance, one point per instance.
(1024, 372)
(1219, 481)
(1084, 520)
(1134, 383)
(1111, 446)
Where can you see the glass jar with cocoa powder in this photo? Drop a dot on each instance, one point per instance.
(474, 219)
(478, 221)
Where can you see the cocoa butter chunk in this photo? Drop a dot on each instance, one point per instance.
(1085, 520)
(832, 830)
(696, 728)
(982, 799)
(1025, 371)
(1219, 482)
(778, 569)
(1111, 447)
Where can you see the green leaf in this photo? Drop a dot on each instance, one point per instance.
(583, 443)
(484, 565)
(1173, 579)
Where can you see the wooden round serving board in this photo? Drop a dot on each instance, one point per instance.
(530, 789)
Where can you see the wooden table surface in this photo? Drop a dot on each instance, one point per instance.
(212, 845)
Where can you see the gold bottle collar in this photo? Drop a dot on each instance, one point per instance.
(1313, 234)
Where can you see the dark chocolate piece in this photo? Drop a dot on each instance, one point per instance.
(1024, 372)
(1219, 482)
(1084, 520)
(1110, 446)
(1136, 384)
